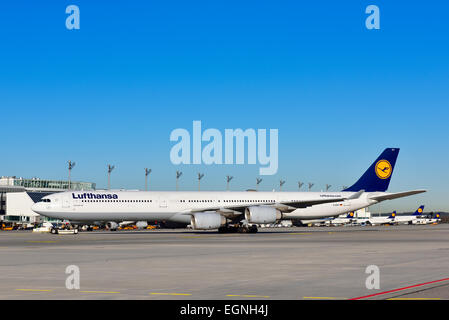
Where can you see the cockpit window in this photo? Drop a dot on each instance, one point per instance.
(45, 200)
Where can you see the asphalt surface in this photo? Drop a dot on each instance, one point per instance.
(279, 263)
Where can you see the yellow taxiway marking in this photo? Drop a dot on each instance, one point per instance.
(414, 299)
(170, 294)
(246, 296)
(325, 298)
(41, 241)
(99, 291)
(36, 290)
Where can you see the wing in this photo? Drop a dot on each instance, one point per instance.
(390, 196)
(284, 206)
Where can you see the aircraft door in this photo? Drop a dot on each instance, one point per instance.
(162, 203)
(65, 202)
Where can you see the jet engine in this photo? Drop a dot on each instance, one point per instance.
(262, 214)
(207, 220)
(111, 225)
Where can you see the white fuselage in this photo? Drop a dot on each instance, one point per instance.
(177, 206)
(405, 219)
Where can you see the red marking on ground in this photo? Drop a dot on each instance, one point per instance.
(400, 289)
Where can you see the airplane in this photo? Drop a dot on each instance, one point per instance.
(382, 220)
(410, 219)
(434, 218)
(228, 211)
(430, 219)
(339, 221)
(332, 221)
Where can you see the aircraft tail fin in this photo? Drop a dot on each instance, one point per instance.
(419, 211)
(392, 215)
(378, 175)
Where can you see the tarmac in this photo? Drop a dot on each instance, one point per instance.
(321, 263)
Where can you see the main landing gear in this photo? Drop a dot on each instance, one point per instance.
(238, 229)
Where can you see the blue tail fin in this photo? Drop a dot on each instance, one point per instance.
(392, 215)
(419, 211)
(350, 215)
(378, 175)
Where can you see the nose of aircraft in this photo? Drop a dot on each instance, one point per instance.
(38, 207)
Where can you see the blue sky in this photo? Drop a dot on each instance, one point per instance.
(338, 93)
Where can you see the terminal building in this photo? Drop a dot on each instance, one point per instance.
(17, 195)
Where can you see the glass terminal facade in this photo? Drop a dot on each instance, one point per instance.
(53, 184)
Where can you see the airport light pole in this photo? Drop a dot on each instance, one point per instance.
(281, 183)
(147, 173)
(110, 168)
(200, 175)
(300, 184)
(71, 165)
(228, 179)
(310, 185)
(258, 181)
(178, 175)
(328, 187)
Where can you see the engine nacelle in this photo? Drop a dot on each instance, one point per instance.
(262, 214)
(141, 224)
(111, 225)
(207, 220)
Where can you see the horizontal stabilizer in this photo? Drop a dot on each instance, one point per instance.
(390, 196)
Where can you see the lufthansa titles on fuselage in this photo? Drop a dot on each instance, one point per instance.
(94, 196)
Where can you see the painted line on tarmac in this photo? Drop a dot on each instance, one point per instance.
(170, 294)
(325, 298)
(99, 291)
(41, 241)
(246, 296)
(400, 289)
(296, 233)
(34, 290)
(414, 299)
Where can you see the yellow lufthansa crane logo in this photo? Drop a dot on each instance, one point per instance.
(419, 210)
(383, 169)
